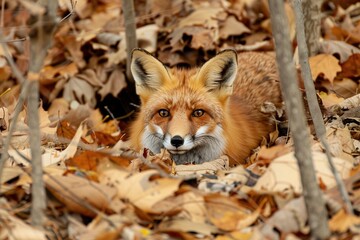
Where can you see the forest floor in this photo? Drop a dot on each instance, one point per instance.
(98, 188)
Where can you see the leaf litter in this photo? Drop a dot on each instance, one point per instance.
(100, 188)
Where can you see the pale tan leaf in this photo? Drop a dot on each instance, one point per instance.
(77, 89)
(143, 192)
(33, 7)
(202, 17)
(58, 108)
(324, 64)
(184, 225)
(282, 176)
(343, 221)
(330, 99)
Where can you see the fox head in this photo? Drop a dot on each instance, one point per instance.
(183, 110)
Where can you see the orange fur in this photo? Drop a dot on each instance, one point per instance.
(232, 108)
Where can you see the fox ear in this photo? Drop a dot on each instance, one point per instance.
(219, 72)
(148, 72)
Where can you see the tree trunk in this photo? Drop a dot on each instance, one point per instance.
(130, 32)
(312, 24)
(296, 114)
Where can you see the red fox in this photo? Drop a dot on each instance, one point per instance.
(202, 113)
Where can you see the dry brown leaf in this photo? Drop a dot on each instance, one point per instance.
(73, 191)
(115, 83)
(33, 7)
(330, 99)
(228, 214)
(269, 154)
(351, 67)
(76, 89)
(324, 64)
(90, 160)
(344, 88)
(141, 189)
(184, 225)
(58, 108)
(202, 17)
(15, 228)
(344, 49)
(208, 167)
(49, 74)
(343, 221)
(340, 143)
(74, 47)
(291, 218)
(232, 27)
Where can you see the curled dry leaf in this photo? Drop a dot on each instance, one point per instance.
(73, 191)
(325, 64)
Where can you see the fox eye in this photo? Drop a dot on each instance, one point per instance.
(198, 113)
(164, 113)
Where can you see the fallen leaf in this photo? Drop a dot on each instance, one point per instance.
(351, 67)
(324, 64)
(208, 167)
(74, 191)
(114, 84)
(344, 88)
(345, 50)
(184, 225)
(341, 222)
(283, 176)
(232, 27)
(227, 214)
(330, 99)
(202, 17)
(15, 228)
(76, 89)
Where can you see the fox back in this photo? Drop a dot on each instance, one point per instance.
(202, 113)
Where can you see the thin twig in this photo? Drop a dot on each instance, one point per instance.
(312, 99)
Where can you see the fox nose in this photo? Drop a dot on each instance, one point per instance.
(177, 141)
